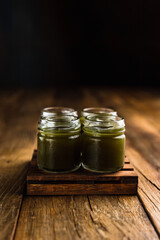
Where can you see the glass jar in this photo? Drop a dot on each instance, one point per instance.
(103, 143)
(54, 111)
(59, 143)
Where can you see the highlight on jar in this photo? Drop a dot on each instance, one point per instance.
(58, 142)
(103, 143)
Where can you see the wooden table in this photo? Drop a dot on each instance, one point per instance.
(79, 217)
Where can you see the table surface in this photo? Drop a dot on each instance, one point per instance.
(79, 217)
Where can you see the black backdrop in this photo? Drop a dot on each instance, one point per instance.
(73, 42)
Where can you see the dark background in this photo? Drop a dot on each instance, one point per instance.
(65, 43)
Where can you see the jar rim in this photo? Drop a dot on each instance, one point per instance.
(54, 111)
(98, 110)
(61, 122)
(105, 118)
(69, 118)
(104, 122)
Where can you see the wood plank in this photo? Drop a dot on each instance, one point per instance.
(18, 120)
(148, 190)
(82, 217)
(82, 189)
(143, 143)
(146, 157)
(10, 184)
(124, 175)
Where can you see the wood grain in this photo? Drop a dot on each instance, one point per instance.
(142, 112)
(82, 217)
(18, 128)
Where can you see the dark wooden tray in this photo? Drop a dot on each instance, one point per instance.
(80, 182)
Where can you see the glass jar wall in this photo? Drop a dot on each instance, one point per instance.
(59, 143)
(103, 143)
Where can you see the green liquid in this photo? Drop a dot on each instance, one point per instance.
(59, 152)
(103, 153)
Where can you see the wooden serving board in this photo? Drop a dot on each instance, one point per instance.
(81, 181)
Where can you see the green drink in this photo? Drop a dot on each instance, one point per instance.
(103, 144)
(59, 143)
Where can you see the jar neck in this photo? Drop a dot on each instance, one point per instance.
(59, 124)
(58, 111)
(98, 133)
(104, 125)
(96, 111)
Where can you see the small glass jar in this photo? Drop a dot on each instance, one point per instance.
(54, 111)
(59, 143)
(103, 143)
